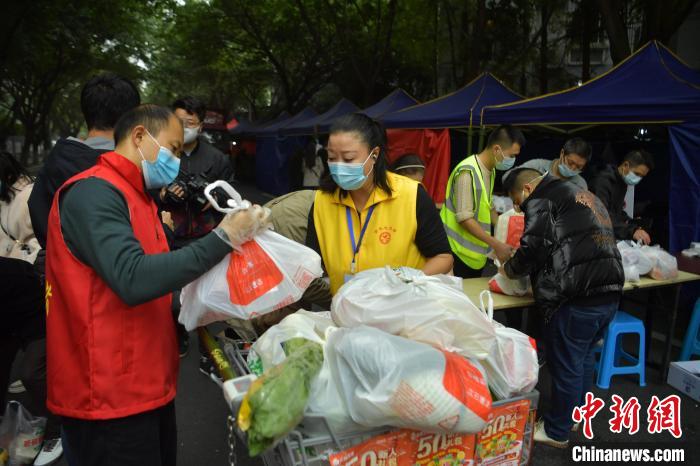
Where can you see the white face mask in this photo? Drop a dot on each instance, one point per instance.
(530, 183)
(191, 134)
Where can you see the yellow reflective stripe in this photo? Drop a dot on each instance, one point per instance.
(451, 207)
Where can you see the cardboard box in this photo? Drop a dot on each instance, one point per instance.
(685, 376)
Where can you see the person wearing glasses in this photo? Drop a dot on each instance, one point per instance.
(191, 220)
(573, 158)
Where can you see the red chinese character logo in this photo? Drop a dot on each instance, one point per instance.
(626, 415)
(385, 237)
(665, 415)
(587, 412)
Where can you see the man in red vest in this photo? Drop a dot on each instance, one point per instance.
(113, 360)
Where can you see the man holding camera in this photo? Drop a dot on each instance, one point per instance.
(201, 163)
(192, 217)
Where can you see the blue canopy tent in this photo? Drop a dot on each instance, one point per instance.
(396, 100)
(242, 126)
(322, 122)
(652, 86)
(273, 151)
(459, 109)
(246, 127)
(273, 128)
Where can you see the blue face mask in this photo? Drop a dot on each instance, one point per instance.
(565, 171)
(349, 176)
(505, 164)
(163, 170)
(632, 179)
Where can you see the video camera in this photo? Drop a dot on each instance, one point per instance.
(193, 186)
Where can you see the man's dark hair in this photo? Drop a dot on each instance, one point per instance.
(153, 117)
(105, 98)
(370, 133)
(639, 157)
(505, 136)
(578, 146)
(408, 160)
(11, 170)
(519, 177)
(191, 105)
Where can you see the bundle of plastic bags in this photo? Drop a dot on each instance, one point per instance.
(512, 367)
(261, 276)
(634, 262)
(406, 302)
(21, 434)
(638, 260)
(390, 380)
(664, 265)
(275, 402)
(325, 399)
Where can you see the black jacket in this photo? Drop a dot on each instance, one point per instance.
(190, 222)
(611, 189)
(66, 159)
(22, 296)
(568, 248)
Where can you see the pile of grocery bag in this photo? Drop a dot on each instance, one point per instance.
(638, 261)
(399, 349)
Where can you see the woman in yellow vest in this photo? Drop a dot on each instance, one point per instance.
(366, 217)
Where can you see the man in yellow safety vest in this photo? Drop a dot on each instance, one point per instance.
(468, 213)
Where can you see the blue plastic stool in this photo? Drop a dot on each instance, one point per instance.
(691, 343)
(611, 352)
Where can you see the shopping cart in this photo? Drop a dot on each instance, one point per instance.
(300, 448)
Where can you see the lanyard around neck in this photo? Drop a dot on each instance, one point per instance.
(356, 246)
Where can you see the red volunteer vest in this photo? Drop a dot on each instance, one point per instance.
(106, 359)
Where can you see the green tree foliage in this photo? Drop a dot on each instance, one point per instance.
(262, 57)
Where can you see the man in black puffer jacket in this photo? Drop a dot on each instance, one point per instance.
(568, 249)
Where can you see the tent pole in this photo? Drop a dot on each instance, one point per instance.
(482, 134)
(469, 141)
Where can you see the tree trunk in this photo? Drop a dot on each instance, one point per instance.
(450, 31)
(544, 12)
(526, 23)
(617, 31)
(477, 42)
(587, 11)
(663, 18)
(436, 50)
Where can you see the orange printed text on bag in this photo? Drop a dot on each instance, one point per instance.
(260, 272)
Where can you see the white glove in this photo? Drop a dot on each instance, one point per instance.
(242, 226)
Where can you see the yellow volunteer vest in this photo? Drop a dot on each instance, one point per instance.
(389, 238)
(466, 246)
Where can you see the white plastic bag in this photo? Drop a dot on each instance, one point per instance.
(631, 273)
(324, 398)
(512, 367)
(634, 261)
(418, 307)
(267, 351)
(268, 273)
(664, 265)
(388, 380)
(509, 286)
(21, 434)
(510, 228)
